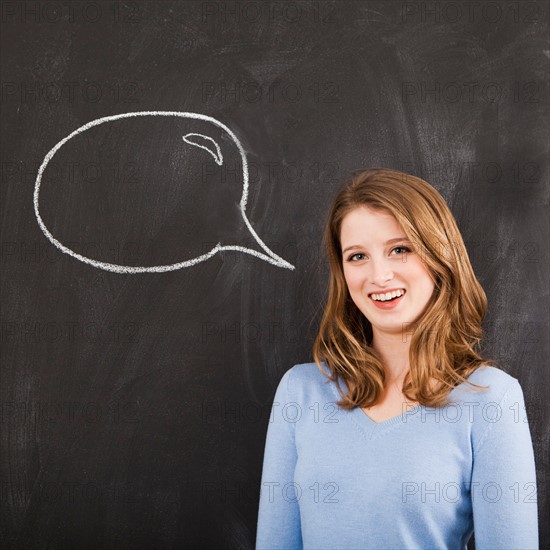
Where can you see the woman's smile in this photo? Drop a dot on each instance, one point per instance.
(387, 299)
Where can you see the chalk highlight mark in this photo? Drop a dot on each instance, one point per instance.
(218, 158)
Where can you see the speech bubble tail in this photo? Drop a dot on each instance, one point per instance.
(269, 255)
(272, 258)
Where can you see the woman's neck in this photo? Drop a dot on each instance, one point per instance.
(393, 350)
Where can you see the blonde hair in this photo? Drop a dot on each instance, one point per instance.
(443, 343)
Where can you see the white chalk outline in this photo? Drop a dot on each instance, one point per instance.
(217, 155)
(270, 256)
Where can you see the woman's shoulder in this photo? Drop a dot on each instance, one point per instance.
(306, 379)
(308, 372)
(499, 383)
(487, 373)
(497, 415)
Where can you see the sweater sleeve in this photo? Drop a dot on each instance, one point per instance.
(503, 489)
(279, 513)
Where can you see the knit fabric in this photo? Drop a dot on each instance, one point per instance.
(425, 479)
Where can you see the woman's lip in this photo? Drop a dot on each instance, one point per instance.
(386, 291)
(388, 304)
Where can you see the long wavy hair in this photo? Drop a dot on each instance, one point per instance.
(444, 341)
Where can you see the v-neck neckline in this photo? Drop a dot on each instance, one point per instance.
(389, 421)
(368, 426)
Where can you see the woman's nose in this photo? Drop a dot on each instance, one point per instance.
(381, 273)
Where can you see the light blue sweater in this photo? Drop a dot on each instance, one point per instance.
(425, 479)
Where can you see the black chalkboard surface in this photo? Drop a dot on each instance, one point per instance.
(163, 267)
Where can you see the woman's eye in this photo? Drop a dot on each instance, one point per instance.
(350, 259)
(406, 249)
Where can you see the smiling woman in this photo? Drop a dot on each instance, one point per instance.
(384, 276)
(390, 231)
(399, 435)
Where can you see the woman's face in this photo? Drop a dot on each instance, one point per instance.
(378, 258)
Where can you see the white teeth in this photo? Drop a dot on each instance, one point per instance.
(387, 296)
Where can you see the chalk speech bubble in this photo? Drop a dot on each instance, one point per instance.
(198, 140)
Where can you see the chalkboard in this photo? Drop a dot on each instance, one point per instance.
(167, 168)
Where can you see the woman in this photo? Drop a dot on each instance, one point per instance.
(399, 435)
